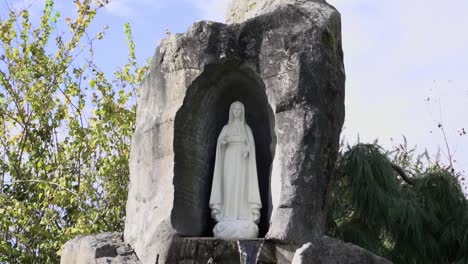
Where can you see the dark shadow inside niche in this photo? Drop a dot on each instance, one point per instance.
(197, 126)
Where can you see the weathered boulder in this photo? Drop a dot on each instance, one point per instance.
(286, 66)
(106, 248)
(326, 250)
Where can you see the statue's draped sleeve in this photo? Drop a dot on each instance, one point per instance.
(254, 194)
(216, 187)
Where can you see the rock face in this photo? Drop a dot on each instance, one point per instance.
(109, 248)
(321, 250)
(326, 250)
(106, 248)
(286, 66)
(212, 250)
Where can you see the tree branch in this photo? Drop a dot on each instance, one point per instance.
(403, 174)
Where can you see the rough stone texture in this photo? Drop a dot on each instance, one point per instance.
(219, 251)
(322, 250)
(109, 248)
(106, 248)
(327, 250)
(286, 66)
(241, 10)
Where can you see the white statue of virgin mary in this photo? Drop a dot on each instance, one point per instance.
(235, 199)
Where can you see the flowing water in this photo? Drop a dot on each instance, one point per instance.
(249, 251)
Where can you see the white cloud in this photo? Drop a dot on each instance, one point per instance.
(214, 10)
(34, 6)
(130, 8)
(26, 4)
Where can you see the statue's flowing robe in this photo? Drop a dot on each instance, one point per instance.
(235, 190)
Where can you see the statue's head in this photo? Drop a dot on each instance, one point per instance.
(236, 111)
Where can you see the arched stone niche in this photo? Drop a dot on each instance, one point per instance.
(197, 125)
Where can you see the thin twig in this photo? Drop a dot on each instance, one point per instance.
(46, 182)
(441, 126)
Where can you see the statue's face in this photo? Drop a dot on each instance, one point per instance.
(237, 110)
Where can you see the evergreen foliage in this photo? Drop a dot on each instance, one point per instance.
(420, 221)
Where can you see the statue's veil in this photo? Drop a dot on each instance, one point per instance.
(231, 114)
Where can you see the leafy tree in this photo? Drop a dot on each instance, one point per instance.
(65, 131)
(416, 218)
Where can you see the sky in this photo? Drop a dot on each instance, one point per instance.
(406, 62)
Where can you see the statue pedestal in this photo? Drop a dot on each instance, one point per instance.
(235, 229)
